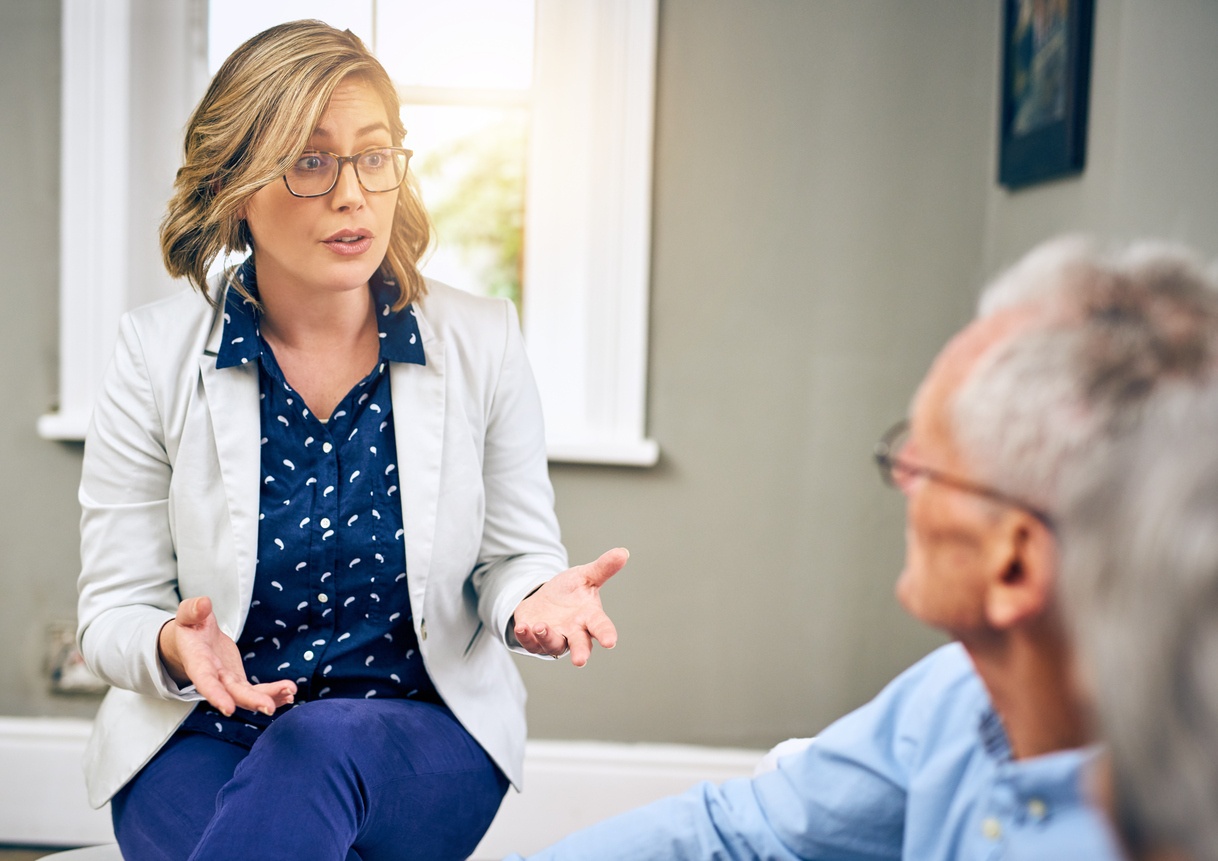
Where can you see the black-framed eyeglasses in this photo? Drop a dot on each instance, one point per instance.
(377, 169)
(893, 470)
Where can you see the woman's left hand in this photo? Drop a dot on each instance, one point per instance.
(566, 612)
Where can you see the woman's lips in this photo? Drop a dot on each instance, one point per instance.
(347, 244)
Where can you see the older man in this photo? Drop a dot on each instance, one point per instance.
(1140, 567)
(976, 751)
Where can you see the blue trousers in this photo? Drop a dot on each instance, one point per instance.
(331, 780)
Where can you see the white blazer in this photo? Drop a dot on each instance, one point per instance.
(169, 492)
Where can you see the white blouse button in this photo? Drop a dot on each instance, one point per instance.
(323, 597)
(324, 523)
(991, 828)
(308, 656)
(325, 446)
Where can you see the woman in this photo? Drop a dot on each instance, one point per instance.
(316, 504)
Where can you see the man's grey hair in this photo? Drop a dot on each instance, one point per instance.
(1108, 327)
(1139, 534)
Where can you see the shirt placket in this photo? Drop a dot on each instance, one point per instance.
(322, 566)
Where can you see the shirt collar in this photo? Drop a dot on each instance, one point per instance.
(1052, 778)
(994, 735)
(241, 343)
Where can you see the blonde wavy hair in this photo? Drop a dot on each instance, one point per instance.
(252, 124)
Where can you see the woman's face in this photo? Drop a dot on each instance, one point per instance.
(333, 243)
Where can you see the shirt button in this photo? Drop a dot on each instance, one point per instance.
(423, 630)
(991, 828)
(323, 597)
(1037, 808)
(324, 522)
(325, 446)
(308, 656)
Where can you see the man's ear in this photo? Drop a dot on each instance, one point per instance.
(1021, 578)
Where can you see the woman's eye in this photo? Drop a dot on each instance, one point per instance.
(309, 163)
(374, 159)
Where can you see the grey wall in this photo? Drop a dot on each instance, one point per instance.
(825, 210)
(38, 512)
(821, 170)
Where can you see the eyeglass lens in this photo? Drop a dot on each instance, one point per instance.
(887, 450)
(377, 170)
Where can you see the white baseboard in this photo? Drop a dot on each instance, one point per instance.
(567, 785)
(42, 791)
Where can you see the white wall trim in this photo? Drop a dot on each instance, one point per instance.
(568, 785)
(132, 70)
(587, 261)
(640, 452)
(93, 197)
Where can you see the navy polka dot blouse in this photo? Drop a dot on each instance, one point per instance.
(330, 608)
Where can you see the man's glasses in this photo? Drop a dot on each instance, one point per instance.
(378, 170)
(894, 471)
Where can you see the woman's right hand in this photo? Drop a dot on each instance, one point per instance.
(194, 651)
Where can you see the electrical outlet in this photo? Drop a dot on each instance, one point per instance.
(64, 664)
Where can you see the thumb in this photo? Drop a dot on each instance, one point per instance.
(194, 611)
(606, 565)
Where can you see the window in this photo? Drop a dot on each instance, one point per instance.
(578, 118)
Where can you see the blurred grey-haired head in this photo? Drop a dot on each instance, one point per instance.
(1139, 581)
(1108, 327)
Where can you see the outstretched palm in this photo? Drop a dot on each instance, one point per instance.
(566, 612)
(195, 651)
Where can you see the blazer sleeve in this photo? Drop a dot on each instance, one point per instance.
(521, 545)
(128, 580)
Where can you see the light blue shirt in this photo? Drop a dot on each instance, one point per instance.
(923, 773)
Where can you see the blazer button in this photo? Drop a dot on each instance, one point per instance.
(423, 630)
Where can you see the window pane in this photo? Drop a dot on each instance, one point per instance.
(470, 163)
(231, 22)
(479, 44)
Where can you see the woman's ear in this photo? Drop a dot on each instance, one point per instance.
(1021, 580)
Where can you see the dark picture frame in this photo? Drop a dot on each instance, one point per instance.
(1046, 75)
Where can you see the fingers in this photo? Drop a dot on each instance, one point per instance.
(606, 565)
(214, 691)
(581, 648)
(193, 611)
(544, 641)
(266, 697)
(602, 629)
(228, 691)
(599, 628)
(541, 639)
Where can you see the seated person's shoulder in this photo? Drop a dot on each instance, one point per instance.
(931, 709)
(943, 686)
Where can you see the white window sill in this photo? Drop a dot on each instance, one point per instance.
(65, 427)
(72, 426)
(643, 452)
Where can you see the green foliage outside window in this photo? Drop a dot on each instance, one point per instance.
(477, 201)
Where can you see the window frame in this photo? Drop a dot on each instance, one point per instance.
(588, 208)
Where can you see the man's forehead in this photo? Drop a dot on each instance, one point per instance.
(980, 336)
(957, 360)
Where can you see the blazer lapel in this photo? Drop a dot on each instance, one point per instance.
(418, 410)
(232, 401)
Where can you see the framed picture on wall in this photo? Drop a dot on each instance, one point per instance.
(1046, 70)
